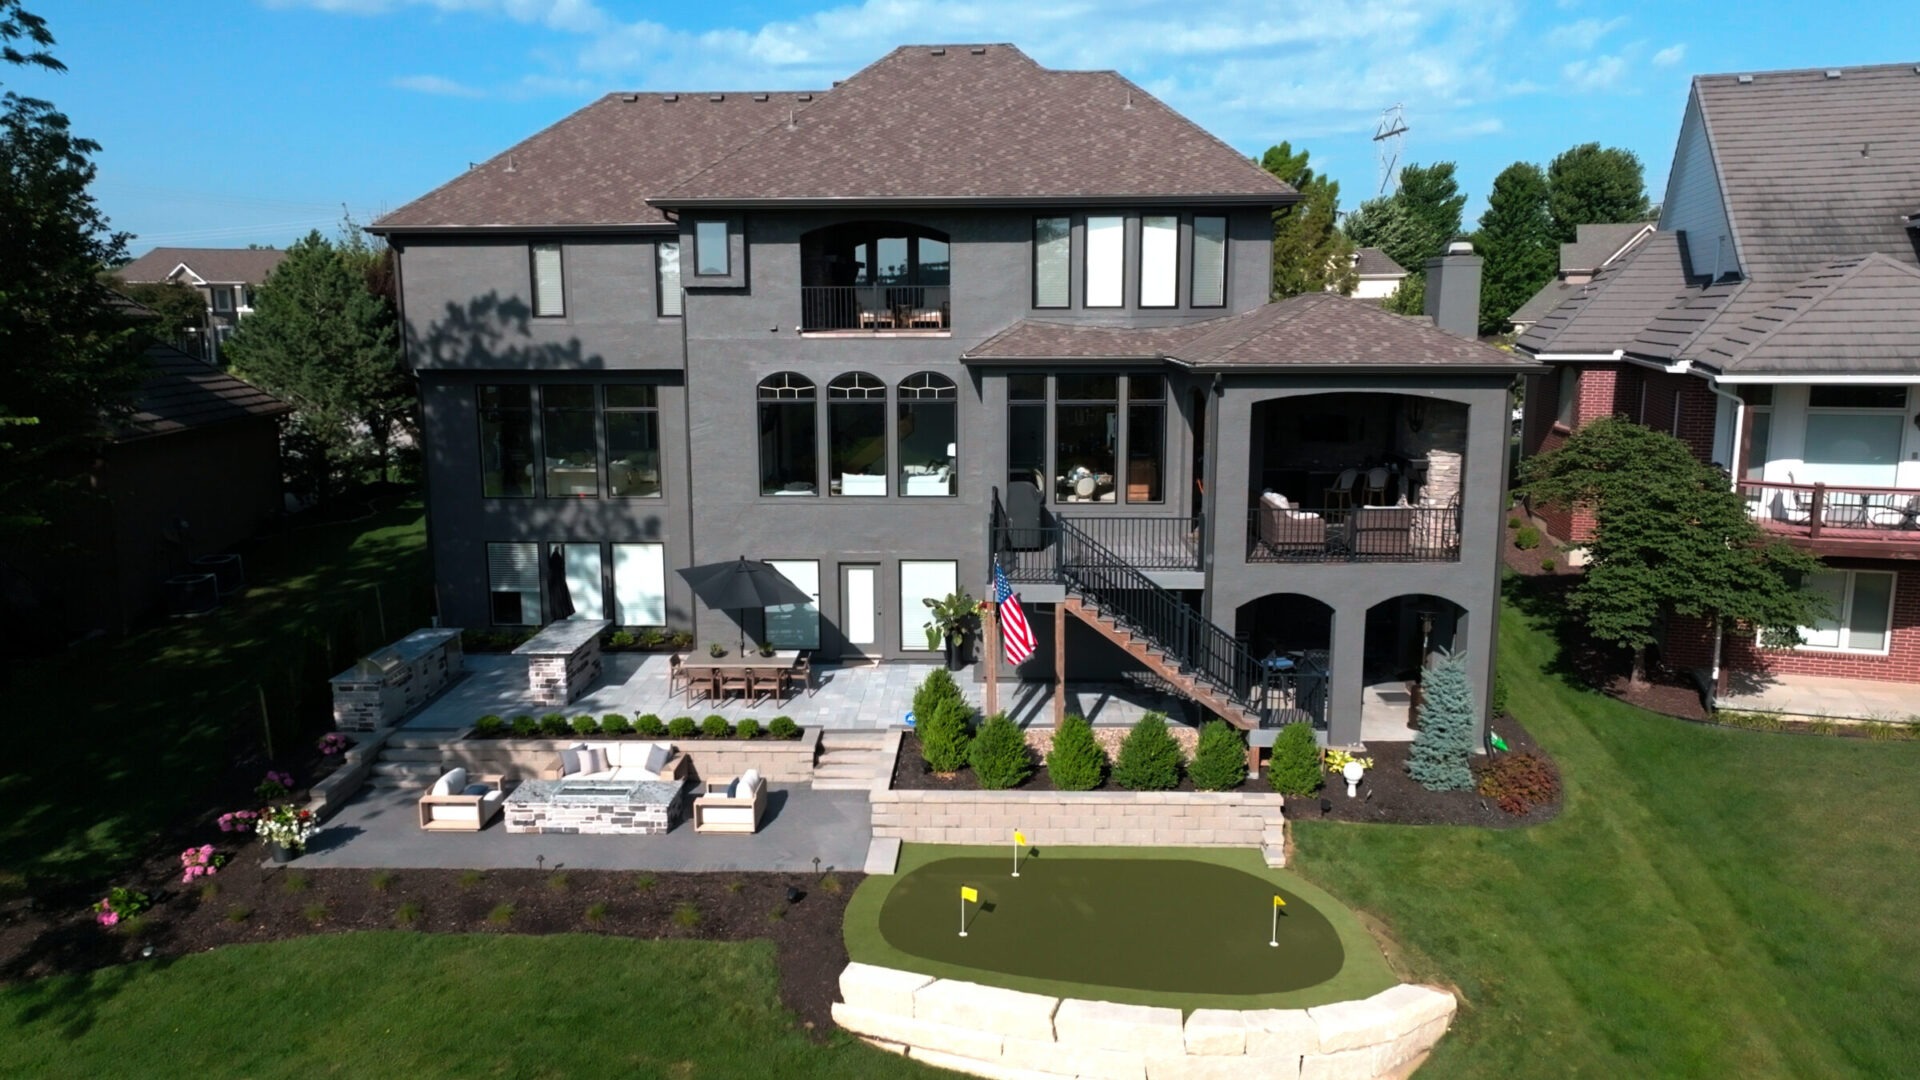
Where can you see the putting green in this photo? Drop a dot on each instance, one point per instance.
(1151, 926)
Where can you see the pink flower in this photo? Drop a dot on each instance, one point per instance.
(109, 917)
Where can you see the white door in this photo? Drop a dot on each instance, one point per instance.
(860, 609)
(796, 626)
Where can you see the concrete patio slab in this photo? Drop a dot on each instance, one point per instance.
(380, 829)
(1814, 695)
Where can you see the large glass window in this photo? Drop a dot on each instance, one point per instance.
(1569, 395)
(640, 584)
(549, 287)
(1209, 262)
(1052, 262)
(1027, 429)
(666, 258)
(1854, 434)
(513, 584)
(929, 435)
(506, 442)
(789, 436)
(579, 566)
(921, 580)
(795, 626)
(633, 441)
(1860, 606)
(1086, 434)
(857, 435)
(710, 253)
(1146, 437)
(1106, 261)
(1159, 260)
(571, 449)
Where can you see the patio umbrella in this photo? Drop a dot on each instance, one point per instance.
(559, 597)
(742, 584)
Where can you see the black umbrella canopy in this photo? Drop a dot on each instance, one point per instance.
(559, 596)
(743, 583)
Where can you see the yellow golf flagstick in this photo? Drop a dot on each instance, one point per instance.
(1274, 938)
(1019, 841)
(967, 892)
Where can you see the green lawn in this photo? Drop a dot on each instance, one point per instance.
(399, 1004)
(151, 720)
(1710, 903)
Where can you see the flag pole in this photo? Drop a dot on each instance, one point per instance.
(1274, 938)
(993, 656)
(963, 915)
(1016, 853)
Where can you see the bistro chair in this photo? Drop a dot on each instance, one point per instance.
(1340, 495)
(678, 677)
(727, 681)
(1376, 490)
(800, 675)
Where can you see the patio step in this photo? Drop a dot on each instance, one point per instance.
(389, 774)
(841, 739)
(853, 761)
(410, 753)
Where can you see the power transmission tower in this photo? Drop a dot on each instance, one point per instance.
(1388, 136)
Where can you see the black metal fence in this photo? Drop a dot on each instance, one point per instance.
(1354, 534)
(876, 308)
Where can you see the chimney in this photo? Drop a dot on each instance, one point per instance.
(1453, 290)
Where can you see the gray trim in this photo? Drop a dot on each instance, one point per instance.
(403, 231)
(1274, 200)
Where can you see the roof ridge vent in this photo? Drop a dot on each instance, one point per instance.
(978, 50)
(759, 97)
(803, 97)
(716, 97)
(629, 97)
(1745, 79)
(937, 52)
(670, 97)
(1833, 73)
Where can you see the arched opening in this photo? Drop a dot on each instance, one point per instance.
(1402, 637)
(929, 434)
(875, 275)
(1291, 634)
(857, 435)
(789, 435)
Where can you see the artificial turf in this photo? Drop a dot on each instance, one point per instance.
(1187, 928)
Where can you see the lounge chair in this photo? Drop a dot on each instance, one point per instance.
(1288, 530)
(732, 806)
(462, 802)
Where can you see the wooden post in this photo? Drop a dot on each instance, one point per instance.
(1059, 664)
(1818, 510)
(992, 626)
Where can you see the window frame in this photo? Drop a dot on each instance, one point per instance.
(223, 299)
(539, 582)
(700, 247)
(1567, 397)
(1172, 273)
(611, 560)
(925, 391)
(533, 279)
(839, 398)
(532, 412)
(1843, 618)
(813, 401)
(1066, 301)
(1193, 261)
(661, 292)
(607, 411)
(545, 443)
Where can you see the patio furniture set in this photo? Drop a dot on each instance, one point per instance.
(782, 675)
(1387, 531)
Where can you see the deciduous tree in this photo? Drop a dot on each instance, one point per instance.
(1592, 185)
(1310, 254)
(1516, 241)
(1411, 226)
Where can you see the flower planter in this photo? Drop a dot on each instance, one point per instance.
(279, 854)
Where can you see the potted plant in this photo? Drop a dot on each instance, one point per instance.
(716, 650)
(286, 831)
(950, 626)
(766, 650)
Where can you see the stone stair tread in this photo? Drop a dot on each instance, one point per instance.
(1274, 854)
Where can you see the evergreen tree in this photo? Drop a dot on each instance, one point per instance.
(999, 754)
(1220, 759)
(1444, 744)
(1590, 184)
(1516, 240)
(1149, 757)
(1076, 762)
(1294, 768)
(945, 735)
(1310, 253)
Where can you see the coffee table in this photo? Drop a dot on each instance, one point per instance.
(619, 807)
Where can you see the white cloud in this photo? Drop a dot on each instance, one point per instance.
(437, 84)
(1583, 34)
(1670, 56)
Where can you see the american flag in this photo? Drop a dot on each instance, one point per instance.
(1013, 621)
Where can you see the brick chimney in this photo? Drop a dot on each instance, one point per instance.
(1453, 290)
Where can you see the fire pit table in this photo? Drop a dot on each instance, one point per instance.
(638, 807)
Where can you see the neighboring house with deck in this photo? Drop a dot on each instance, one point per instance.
(224, 277)
(957, 308)
(1773, 323)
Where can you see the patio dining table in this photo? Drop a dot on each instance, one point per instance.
(782, 661)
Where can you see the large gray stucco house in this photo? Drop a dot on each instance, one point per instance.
(957, 307)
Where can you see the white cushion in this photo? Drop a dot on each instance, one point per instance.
(727, 815)
(453, 783)
(657, 755)
(749, 780)
(1274, 499)
(457, 812)
(441, 787)
(1302, 515)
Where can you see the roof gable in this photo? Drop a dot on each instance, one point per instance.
(203, 266)
(1594, 246)
(1604, 314)
(1857, 316)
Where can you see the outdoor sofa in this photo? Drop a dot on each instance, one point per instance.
(1289, 530)
(461, 802)
(619, 761)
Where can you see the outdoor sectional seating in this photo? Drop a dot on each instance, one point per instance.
(619, 761)
(1288, 530)
(459, 802)
(732, 806)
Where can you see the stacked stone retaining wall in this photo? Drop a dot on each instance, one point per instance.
(1150, 819)
(780, 761)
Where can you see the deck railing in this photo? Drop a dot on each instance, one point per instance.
(876, 308)
(1811, 509)
(1148, 542)
(1354, 534)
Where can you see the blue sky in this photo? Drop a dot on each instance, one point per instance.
(226, 122)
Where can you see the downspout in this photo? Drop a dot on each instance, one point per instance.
(686, 410)
(1734, 469)
(1210, 518)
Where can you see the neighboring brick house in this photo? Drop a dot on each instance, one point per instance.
(1773, 324)
(224, 277)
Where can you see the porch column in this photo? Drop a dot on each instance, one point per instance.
(1476, 635)
(1344, 688)
(1059, 664)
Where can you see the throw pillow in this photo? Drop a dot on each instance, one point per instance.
(456, 779)
(570, 758)
(478, 789)
(593, 761)
(733, 788)
(657, 755)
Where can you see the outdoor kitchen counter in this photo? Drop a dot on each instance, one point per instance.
(563, 660)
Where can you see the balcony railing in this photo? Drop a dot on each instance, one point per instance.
(1146, 542)
(1814, 511)
(1357, 534)
(876, 308)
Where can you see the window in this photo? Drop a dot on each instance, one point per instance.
(1106, 261)
(633, 441)
(1146, 437)
(1086, 430)
(1569, 395)
(1854, 434)
(222, 298)
(1209, 262)
(1159, 260)
(640, 584)
(513, 584)
(710, 254)
(1860, 603)
(929, 435)
(795, 626)
(789, 436)
(1052, 261)
(857, 435)
(1759, 434)
(506, 442)
(549, 285)
(1027, 429)
(572, 451)
(580, 573)
(666, 261)
(923, 579)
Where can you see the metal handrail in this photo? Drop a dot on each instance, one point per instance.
(1354, 534)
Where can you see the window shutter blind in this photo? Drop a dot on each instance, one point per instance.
(1052, 262)
(1159, 260)
(515, 568)
(547, 284)
(1209, 262)
(669, 255)
(1106, 261)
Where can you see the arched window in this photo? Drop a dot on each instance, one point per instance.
(857, 435)
(929, 435)
(789, 435)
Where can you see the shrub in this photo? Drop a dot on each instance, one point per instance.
(1526, 538)
(596, 914)
(999, 754)
(783, 727)
(585, 725)
(408, 913)
(652, 637)
(937, 688)
(525, 727)
(488, 727)
(1295, 768)
(559, 881)
(748, 728)
(1513, 523)
(294, 882)
(1220, 761)
(1820, 725)
(649, 726)
(315, 912)
(644, 882)
(471, 878)
(1519, 782)
(681, 639)
(1547, 565)
(682, 727)
(501, 915)
(1149, 758)
(622, 639)
(686, 916)
(239, 913)
(614, 724)
(715, 727)
(121, 903)
(555, 726)
(1444, 745)
(382, 880)
(1076, 762)
(831, 885)
(944, 734)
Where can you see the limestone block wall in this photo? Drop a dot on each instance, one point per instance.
(780, 761)
(1161, 819)
(988, 1031)
(340, 785)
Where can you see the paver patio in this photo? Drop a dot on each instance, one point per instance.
(1814, 695)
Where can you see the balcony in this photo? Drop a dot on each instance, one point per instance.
(876, 309)
(1353, 534)
(1869, 522)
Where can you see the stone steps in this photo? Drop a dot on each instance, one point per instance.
(853, 761)
(840, 739)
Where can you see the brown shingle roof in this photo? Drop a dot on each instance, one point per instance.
(218, 266)
(980, 122)
(1856, 316)
(1309, 330)
(1372, 262)
(1621, 300)
(182, 393)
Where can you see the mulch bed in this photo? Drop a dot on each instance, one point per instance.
(1388, 795)
(910, 773)
(255, 903)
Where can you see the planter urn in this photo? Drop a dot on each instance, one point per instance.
(279, 854)
(1352, 772)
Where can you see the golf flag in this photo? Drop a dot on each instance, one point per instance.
(1499, 743)
(1014, 631)
(1019, 838)
(1279, 903)
(969, 894)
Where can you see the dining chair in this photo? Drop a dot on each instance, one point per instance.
(727, 680)
(677, 675)
(1340, 495)
(1376, 490)
(800, 674)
